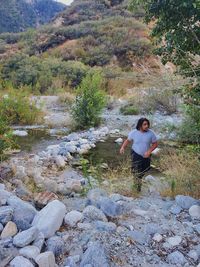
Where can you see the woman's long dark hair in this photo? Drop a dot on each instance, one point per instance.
(140, 122)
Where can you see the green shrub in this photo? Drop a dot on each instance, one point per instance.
(129, 110)
(189, 131)
(6, 140)
(90, 101)
(17, 109)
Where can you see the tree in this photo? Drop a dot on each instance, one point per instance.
(90, 101)
(177, 35)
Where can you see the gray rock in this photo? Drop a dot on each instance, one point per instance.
(4, 196)
(152, 228)
(24, 212)
(7, 254)
(91, 213)
(39, 241)
(1, 227)
(46, 259)
(20, 261)
(175, 209)
(24, 238)
(50, 218)
(72, 261)
(6, 214)
(194, 211)
(95, 255)
(193, 255)
(197, 228)
(60, 162)
(56, 245)
(73, 217)
(105, 226)
(30, 252)
(139, 237)
(174, 241)
(94, 195)
(185, 202)
(109, 207)
(9, 230)
(2, 186)
(176, 258)
(157, 237)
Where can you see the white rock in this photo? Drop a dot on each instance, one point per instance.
(20, 133)
(119, 140)
(20, 261)
(24, 238)
(46, 259)
(140, 212)
(30, 252)
(157, 237)
(174, 241)
(60, 162)
(156, 151)
(150, 178)
(50, 218)
(73, 217)
(9, 230)
(194, 211)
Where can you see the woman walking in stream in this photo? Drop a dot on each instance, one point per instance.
(144, 141)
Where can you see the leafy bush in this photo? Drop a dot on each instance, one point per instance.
(16, 108)
(90, 101)
(189, 131)
(6, 140)
(129, 110)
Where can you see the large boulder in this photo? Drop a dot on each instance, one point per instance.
(20, 261)
(24, 212)
(185, 202)
(96, 256)
(24, 238)
(50, 218)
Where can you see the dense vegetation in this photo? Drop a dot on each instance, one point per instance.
(17, 15)
(52, 57)
(177, 23)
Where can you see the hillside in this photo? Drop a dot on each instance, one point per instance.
(17, 15)
(86, 35)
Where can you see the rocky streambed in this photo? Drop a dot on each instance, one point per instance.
(52, 214)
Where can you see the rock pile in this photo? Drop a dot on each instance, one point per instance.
(106, 231)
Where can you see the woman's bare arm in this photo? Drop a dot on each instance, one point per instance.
(124, 145)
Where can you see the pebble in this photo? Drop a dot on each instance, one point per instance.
(174, 241)
(73, 217)
(9, 230)
(194, 211)
(176, 257)
(157, 237)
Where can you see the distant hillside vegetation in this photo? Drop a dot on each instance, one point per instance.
(17, 15)
(88, 34)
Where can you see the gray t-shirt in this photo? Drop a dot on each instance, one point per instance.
(142, 140)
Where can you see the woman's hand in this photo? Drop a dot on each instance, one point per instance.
(121, 150)
(147, 154)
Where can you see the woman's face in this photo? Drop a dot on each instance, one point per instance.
(145, 126)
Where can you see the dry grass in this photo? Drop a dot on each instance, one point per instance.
(182, 168)
(120, 180)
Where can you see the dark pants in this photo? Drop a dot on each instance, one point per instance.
(139, 166)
